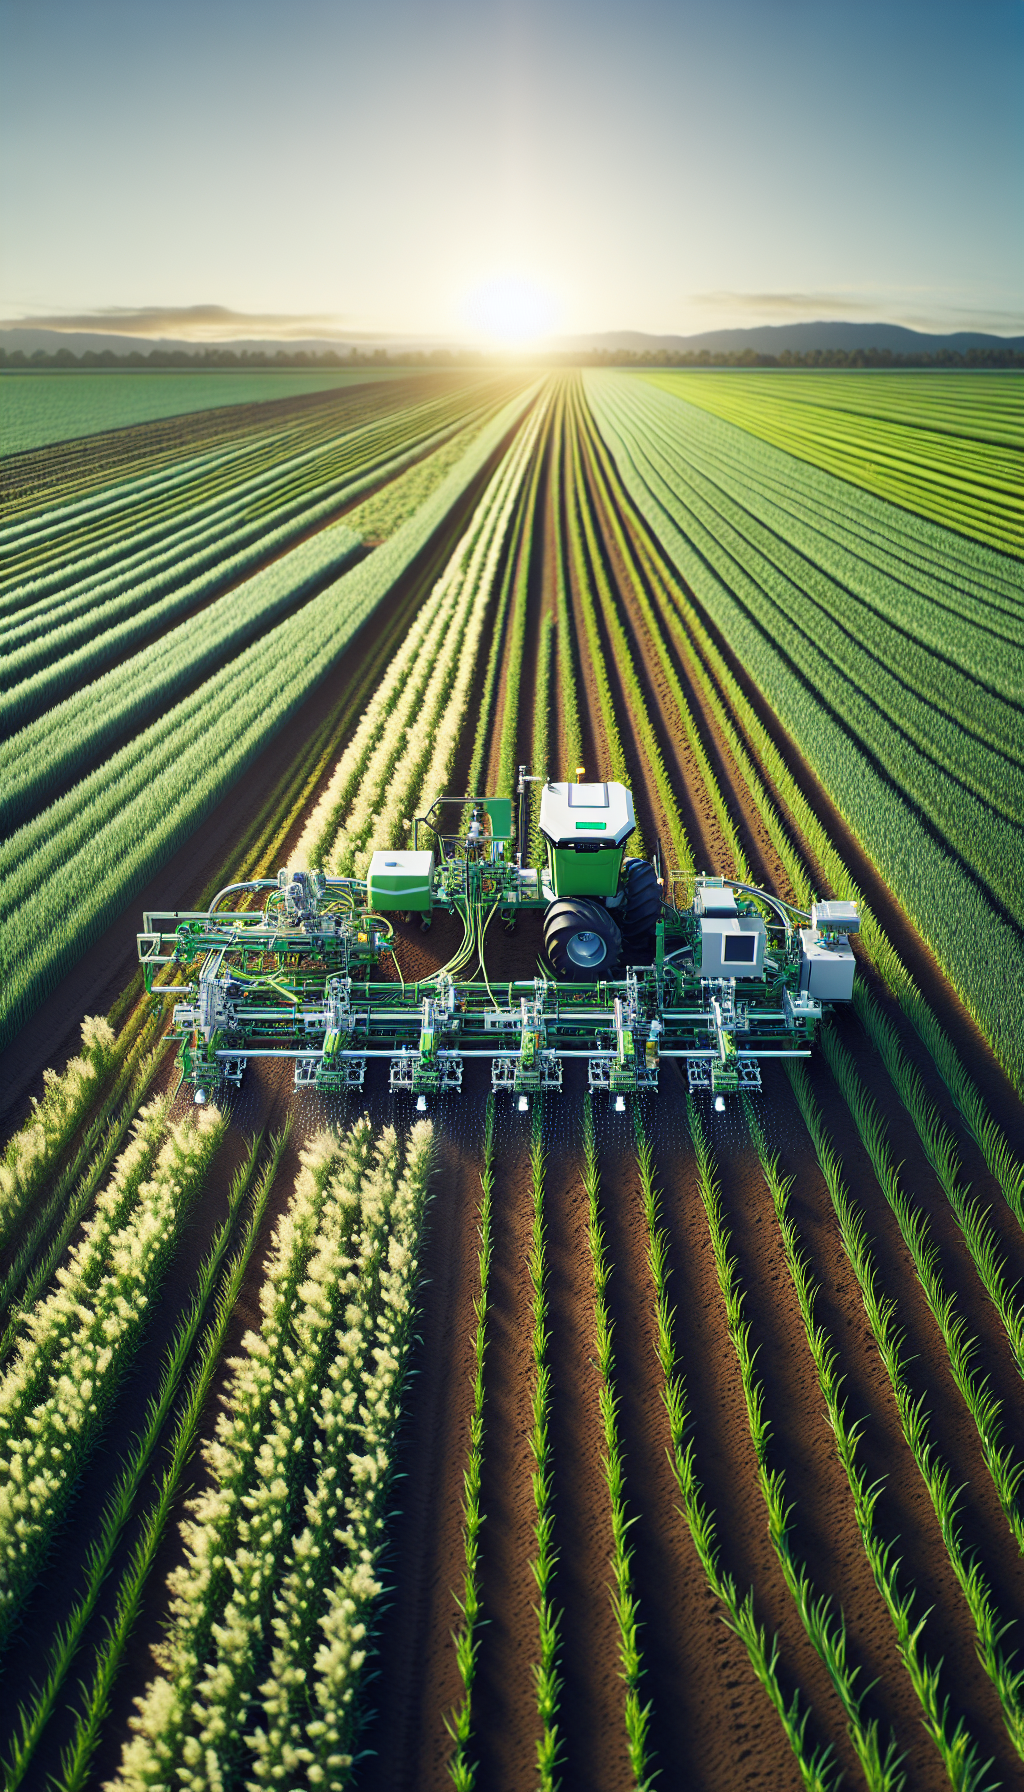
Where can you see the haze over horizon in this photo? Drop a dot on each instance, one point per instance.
(509, 171)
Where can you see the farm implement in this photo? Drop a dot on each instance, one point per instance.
(721, 981)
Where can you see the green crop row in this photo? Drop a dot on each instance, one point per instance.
(979, 949)
(51, 406)
(961, 1346)
(826, 1631)
(462, 1767)
(976, 408)
(950, 1739)
(70, 736)
(546, 1674)
(146, 598)
(813, 1765)
(95, 848)
(624, 1602)
(805, 624)
(936, 1476)
(82, 547)
(956, 462)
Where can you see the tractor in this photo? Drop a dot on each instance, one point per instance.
(720, 981)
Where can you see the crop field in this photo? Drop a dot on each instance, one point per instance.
(45, 407)
(343, 1446)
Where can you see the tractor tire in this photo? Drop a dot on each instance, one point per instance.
(640, 915)
(581, 939)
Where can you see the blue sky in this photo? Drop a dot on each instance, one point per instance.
(514, 166)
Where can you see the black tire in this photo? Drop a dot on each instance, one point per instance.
(581, 939)
(641, 910)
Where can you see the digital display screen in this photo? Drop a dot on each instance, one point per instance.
(740, 948)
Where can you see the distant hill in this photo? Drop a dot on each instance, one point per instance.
(774, 339)
(29, 341)
(767, 339)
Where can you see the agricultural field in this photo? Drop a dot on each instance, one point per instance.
(542, 1444)
(46, 406)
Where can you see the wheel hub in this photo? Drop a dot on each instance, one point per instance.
(586, 949)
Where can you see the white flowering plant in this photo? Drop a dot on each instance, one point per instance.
(86, 1344)
(32, 1151)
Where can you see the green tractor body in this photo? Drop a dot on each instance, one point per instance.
(586, 827)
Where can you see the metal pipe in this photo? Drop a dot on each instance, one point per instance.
(409, 1052)
(260, 883)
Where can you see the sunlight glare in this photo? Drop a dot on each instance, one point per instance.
(511, 310)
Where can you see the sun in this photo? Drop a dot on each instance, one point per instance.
(511, 310)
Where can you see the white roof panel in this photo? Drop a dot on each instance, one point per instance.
(598, 812)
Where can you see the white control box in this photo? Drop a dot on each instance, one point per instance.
(826, 971)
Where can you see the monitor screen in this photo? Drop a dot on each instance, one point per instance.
(740, 948)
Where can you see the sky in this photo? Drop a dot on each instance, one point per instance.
(510, 169)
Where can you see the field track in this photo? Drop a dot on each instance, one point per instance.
(595, 651)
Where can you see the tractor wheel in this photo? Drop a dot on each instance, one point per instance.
(581, 939)
(640, 915)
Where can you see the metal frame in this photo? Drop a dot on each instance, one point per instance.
(295, 979)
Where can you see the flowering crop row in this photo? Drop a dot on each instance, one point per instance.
(311, 1695)
(46, 1328)
(314, 1398)
(121, 1506)
(31, 1152)
(43, 1236)
(58, 1397)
